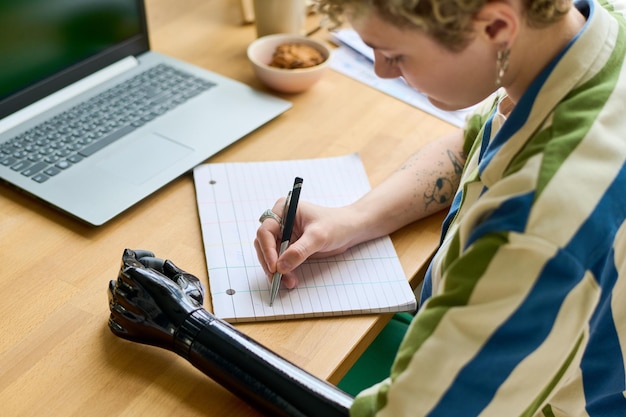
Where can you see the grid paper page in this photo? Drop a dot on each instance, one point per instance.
(231, 196)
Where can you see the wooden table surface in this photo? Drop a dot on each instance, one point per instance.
(57, 355)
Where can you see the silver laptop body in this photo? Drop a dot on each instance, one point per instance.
(96, 185)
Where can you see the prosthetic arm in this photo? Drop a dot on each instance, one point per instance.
(156, 303)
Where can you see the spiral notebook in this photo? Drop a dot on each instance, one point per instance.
(231, 196)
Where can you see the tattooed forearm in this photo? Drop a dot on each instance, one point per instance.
(425, 184)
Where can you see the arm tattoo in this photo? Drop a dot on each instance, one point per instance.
(444, 187)
(442, 192)
(458, 161)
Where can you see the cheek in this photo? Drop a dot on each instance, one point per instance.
(465, 77)
(430, 78)
(447, 87)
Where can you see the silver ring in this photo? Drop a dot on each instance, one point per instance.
(269, 214)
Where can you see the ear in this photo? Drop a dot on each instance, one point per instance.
(497, 23)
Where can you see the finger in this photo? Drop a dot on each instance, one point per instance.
(267, 240)
(116, 327)
(152, 262)
(125, 285)
(269, 214)
(111, 290)
(119, 303)
(279, 207)
(140, 253)
(266, 245)
(120, 312)
(261, 257)
(298, 252)
(171, 270)
(189, 283)
(131, 257)
(290, 280)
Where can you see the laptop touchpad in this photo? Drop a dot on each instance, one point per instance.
(144, 156)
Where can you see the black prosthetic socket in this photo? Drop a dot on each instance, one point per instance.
(254, 373)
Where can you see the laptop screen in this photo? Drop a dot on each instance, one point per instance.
(48, 44)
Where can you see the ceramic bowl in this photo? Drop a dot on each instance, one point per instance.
(261, 51)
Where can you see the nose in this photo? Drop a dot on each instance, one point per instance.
(384, 69)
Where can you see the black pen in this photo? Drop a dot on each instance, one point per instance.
(291, 206)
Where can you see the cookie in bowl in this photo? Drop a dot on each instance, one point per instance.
(296, 55)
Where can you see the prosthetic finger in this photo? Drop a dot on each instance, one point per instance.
(189, 283)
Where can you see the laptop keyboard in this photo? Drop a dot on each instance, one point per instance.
(66, 139)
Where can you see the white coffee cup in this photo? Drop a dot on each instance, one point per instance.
(279, 16)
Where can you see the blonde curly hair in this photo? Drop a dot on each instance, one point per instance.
(447, 21)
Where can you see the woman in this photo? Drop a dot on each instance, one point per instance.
(522, 310)
(519, 312)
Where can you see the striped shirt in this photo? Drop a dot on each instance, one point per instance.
(524, 306)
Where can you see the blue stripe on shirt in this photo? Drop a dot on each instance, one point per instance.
(510, 216)
(602, 363)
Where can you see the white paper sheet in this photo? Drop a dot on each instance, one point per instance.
(231, 197)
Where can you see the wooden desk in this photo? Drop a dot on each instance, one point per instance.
(57, 356)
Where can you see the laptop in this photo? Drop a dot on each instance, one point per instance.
(92, 121)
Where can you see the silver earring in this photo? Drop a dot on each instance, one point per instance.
(502, 64)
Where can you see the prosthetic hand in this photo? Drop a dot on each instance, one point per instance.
(154, 302)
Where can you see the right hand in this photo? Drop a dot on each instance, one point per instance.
(318, 232)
